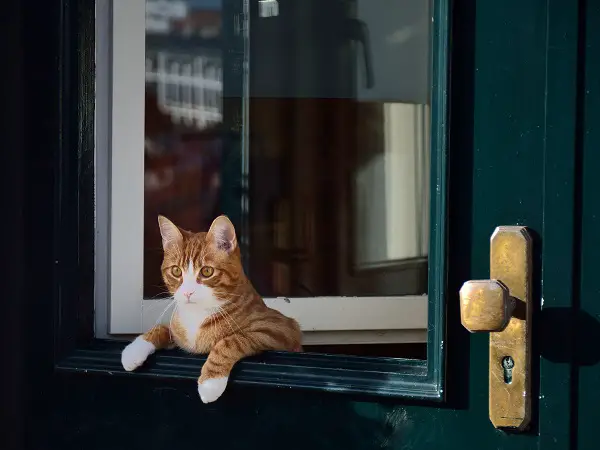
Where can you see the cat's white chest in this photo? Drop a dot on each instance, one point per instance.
(190, 318)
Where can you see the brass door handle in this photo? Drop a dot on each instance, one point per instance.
(502, 307)
(485, 306)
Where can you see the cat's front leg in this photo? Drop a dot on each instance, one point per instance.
(136, 353)
(221, 359)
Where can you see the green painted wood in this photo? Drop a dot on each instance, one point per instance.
(587, 318)
(558, 232)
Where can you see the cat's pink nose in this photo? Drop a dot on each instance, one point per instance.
(187, 295)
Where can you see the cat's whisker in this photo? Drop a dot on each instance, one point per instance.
(222, 313)
(214, 324)
(160, 295)
(171, 321)
(157, 302)
(228, 294)
(163, 313)
(232, 319)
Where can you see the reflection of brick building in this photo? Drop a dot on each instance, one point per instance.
(188, 87)
(184, 62)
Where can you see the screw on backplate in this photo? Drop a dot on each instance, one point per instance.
(507, 364)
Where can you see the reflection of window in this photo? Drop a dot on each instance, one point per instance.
(331, 191)
(186, 85)
(171, 94)
(391, 189)
(198, 95)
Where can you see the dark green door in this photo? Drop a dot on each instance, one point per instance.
(513, 93)
(587, 315)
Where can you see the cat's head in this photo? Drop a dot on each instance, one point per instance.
(201, 268)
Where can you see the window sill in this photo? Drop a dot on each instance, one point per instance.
(382, 377)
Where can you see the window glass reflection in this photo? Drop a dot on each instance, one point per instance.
(309, 128)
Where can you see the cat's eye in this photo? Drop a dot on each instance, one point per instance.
(176, 271)
(207, 271)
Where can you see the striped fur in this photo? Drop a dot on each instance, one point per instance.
(220, 314)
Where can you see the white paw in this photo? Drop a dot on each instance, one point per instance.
(211, 389)
(136, 353)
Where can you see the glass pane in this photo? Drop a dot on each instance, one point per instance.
(319, 153)
(183, 121)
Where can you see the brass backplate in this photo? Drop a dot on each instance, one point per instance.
(510, 350)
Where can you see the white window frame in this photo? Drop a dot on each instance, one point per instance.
(120, 306)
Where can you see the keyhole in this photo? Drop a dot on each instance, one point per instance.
(507, 364)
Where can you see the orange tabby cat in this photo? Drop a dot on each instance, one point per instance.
(217, 311)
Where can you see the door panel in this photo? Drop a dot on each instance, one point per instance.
(559, 232)
(586, 352)
(512, 161)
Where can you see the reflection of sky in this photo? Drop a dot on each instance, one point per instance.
(204, 4)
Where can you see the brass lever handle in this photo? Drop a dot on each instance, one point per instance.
(502, 307)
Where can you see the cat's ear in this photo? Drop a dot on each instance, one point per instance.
(222, 234)
(170, 233)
